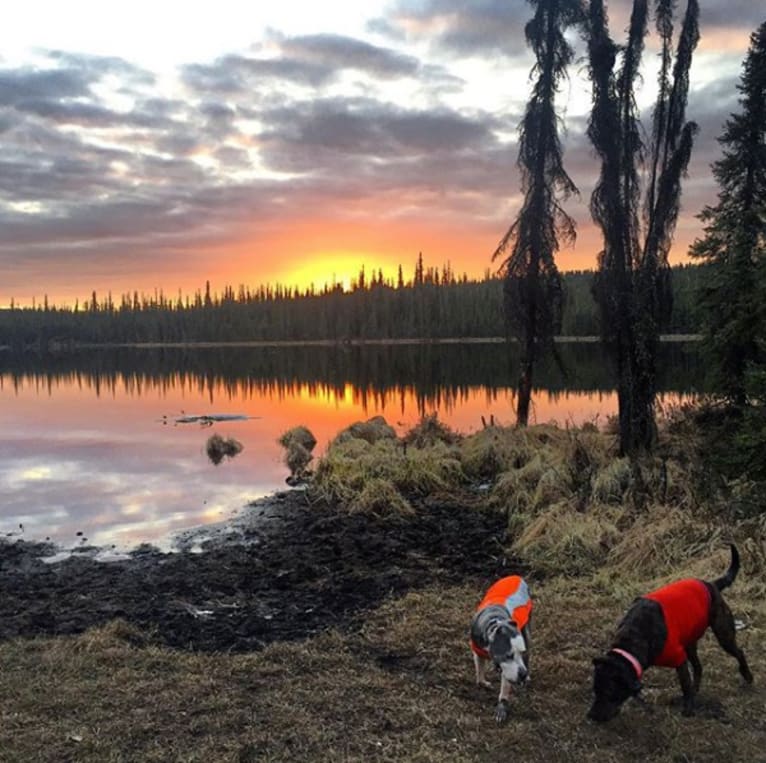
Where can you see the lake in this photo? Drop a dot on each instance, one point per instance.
(90, 453)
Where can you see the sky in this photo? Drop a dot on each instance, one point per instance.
(160, 145)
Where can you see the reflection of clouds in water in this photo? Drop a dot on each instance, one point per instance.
(28, 471)
(158, 527)
(127, 488)
(33, 473)
(122, 507)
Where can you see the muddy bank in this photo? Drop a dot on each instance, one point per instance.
(286, 571)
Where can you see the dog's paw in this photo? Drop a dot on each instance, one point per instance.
(501, 712)
(484, 682)
(687, 706)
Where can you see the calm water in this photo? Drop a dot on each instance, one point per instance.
(84, 448)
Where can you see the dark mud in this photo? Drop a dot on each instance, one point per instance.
(294, 570)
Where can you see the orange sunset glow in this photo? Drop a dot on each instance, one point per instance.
(307, 256)
(300, 150)
(311, 257)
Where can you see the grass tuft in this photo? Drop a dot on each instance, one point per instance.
(298, 443)
(371, 431)
(428, 431)
(350, 465)
(218, 448)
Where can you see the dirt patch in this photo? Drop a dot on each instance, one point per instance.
(296, 570)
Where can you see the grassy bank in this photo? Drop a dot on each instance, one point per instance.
(397, 685)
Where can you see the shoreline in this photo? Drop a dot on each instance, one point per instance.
(282, 570)
(61, 347)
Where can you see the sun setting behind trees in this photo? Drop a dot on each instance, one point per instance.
(278, 143)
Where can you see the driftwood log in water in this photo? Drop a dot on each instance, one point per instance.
(206, 419)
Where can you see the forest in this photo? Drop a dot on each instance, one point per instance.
(432, 304)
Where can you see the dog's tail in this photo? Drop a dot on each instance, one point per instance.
(728, 577)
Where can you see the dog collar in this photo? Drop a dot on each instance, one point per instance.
(632, 660)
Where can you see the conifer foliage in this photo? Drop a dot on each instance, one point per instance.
(533, 295)
(633, 283)
(735, 238)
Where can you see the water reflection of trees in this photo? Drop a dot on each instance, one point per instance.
(376, 376)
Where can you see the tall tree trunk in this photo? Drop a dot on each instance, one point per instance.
(527, 367)
(632, 287)
(524, 395)
(533, 290)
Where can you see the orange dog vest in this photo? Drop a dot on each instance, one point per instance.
(512, 593)
(686, 607)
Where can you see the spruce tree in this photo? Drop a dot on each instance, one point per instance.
(735, 238)
(632, 286)
(533, 295)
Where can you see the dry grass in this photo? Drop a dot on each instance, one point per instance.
(400, 688)
(381, 498)
(298, 443)
(494, 450)
(430, 430)
(218, 448)
(597, 531)
(561, 541)
(527, 468)
(612, 482)
(371, 431)
(351, 465)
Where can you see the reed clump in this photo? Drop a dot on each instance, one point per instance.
(218, 448)
(495, 449)
(544, 465)
(371, 431)
(298, 442)
(356, 474)
(428, 431)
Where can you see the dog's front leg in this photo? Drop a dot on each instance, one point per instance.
(687, 687)
(501, 712)
(480, 665)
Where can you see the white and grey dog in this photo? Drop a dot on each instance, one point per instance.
(501, 632)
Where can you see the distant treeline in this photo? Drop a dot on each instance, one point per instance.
(433, 305)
